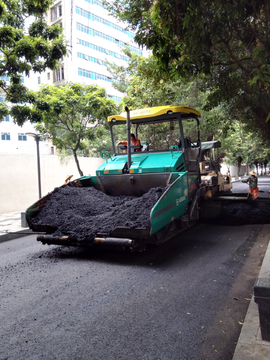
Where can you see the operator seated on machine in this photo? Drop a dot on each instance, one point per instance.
(133, 142)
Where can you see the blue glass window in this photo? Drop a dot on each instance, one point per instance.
(95, 76)
(115, 98)
(93, 32)
(5, 136)
(93, 17)
(90, 58)
(100, 49)
(22, 137)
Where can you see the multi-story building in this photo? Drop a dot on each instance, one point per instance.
(14, 138)
(94, 37)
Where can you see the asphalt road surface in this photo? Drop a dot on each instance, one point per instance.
(184, 300)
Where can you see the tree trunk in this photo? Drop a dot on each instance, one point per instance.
(265, 165)
(77, 162)
(239, 161)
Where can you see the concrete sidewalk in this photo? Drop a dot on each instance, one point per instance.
(11, 226)
(250, 345)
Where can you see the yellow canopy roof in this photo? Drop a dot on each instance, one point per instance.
(154, 111)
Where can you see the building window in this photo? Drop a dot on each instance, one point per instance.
(60, 10)
(94, 76)
(5, 136)
(6, 118)
(93, 17)
(22, 137)
(90, 58)
(48, 76)
(2, 98)
(58, 74)
(38, 80)
(53, 13)
(96, 2)
(115, 98)
(93, 32)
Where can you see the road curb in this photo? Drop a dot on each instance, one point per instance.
(15, 235)
(250, 345)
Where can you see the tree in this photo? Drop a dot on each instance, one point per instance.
(21, 50)
(241, 145)
(194, 35)
(228, 40)
(231, 122)
(143, 84)
(72, 114)
(246, 102)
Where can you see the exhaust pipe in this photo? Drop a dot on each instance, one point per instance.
(99, 242)
(123, 244)
(52, 240)
(111, 242)
(128, 137)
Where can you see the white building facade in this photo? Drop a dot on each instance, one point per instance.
(14, 138)
(94, 37)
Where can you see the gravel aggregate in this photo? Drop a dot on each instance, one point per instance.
(83, 212)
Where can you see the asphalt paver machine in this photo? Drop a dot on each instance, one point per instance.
(168, 158)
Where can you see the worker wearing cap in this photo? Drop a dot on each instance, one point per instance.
(253, 184)
(133, 142)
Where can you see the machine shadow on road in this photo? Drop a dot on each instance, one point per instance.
(194, 242)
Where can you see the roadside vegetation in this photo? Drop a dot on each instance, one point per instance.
(212, 56)
(73, 116)
(223, 47)
(144, 85)
(27, 43)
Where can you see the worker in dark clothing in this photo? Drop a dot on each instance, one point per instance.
(253, 185)
(133, 142)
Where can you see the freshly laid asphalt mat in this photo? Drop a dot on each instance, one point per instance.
(250, 212)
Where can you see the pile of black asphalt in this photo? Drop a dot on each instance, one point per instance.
(83, 212)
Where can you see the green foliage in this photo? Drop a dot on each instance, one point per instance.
(144, 85)
(73, 116)
(96, 146)
(3, 112)
(239, 142)
(233, 124)
(227, 40)
(22, 50)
